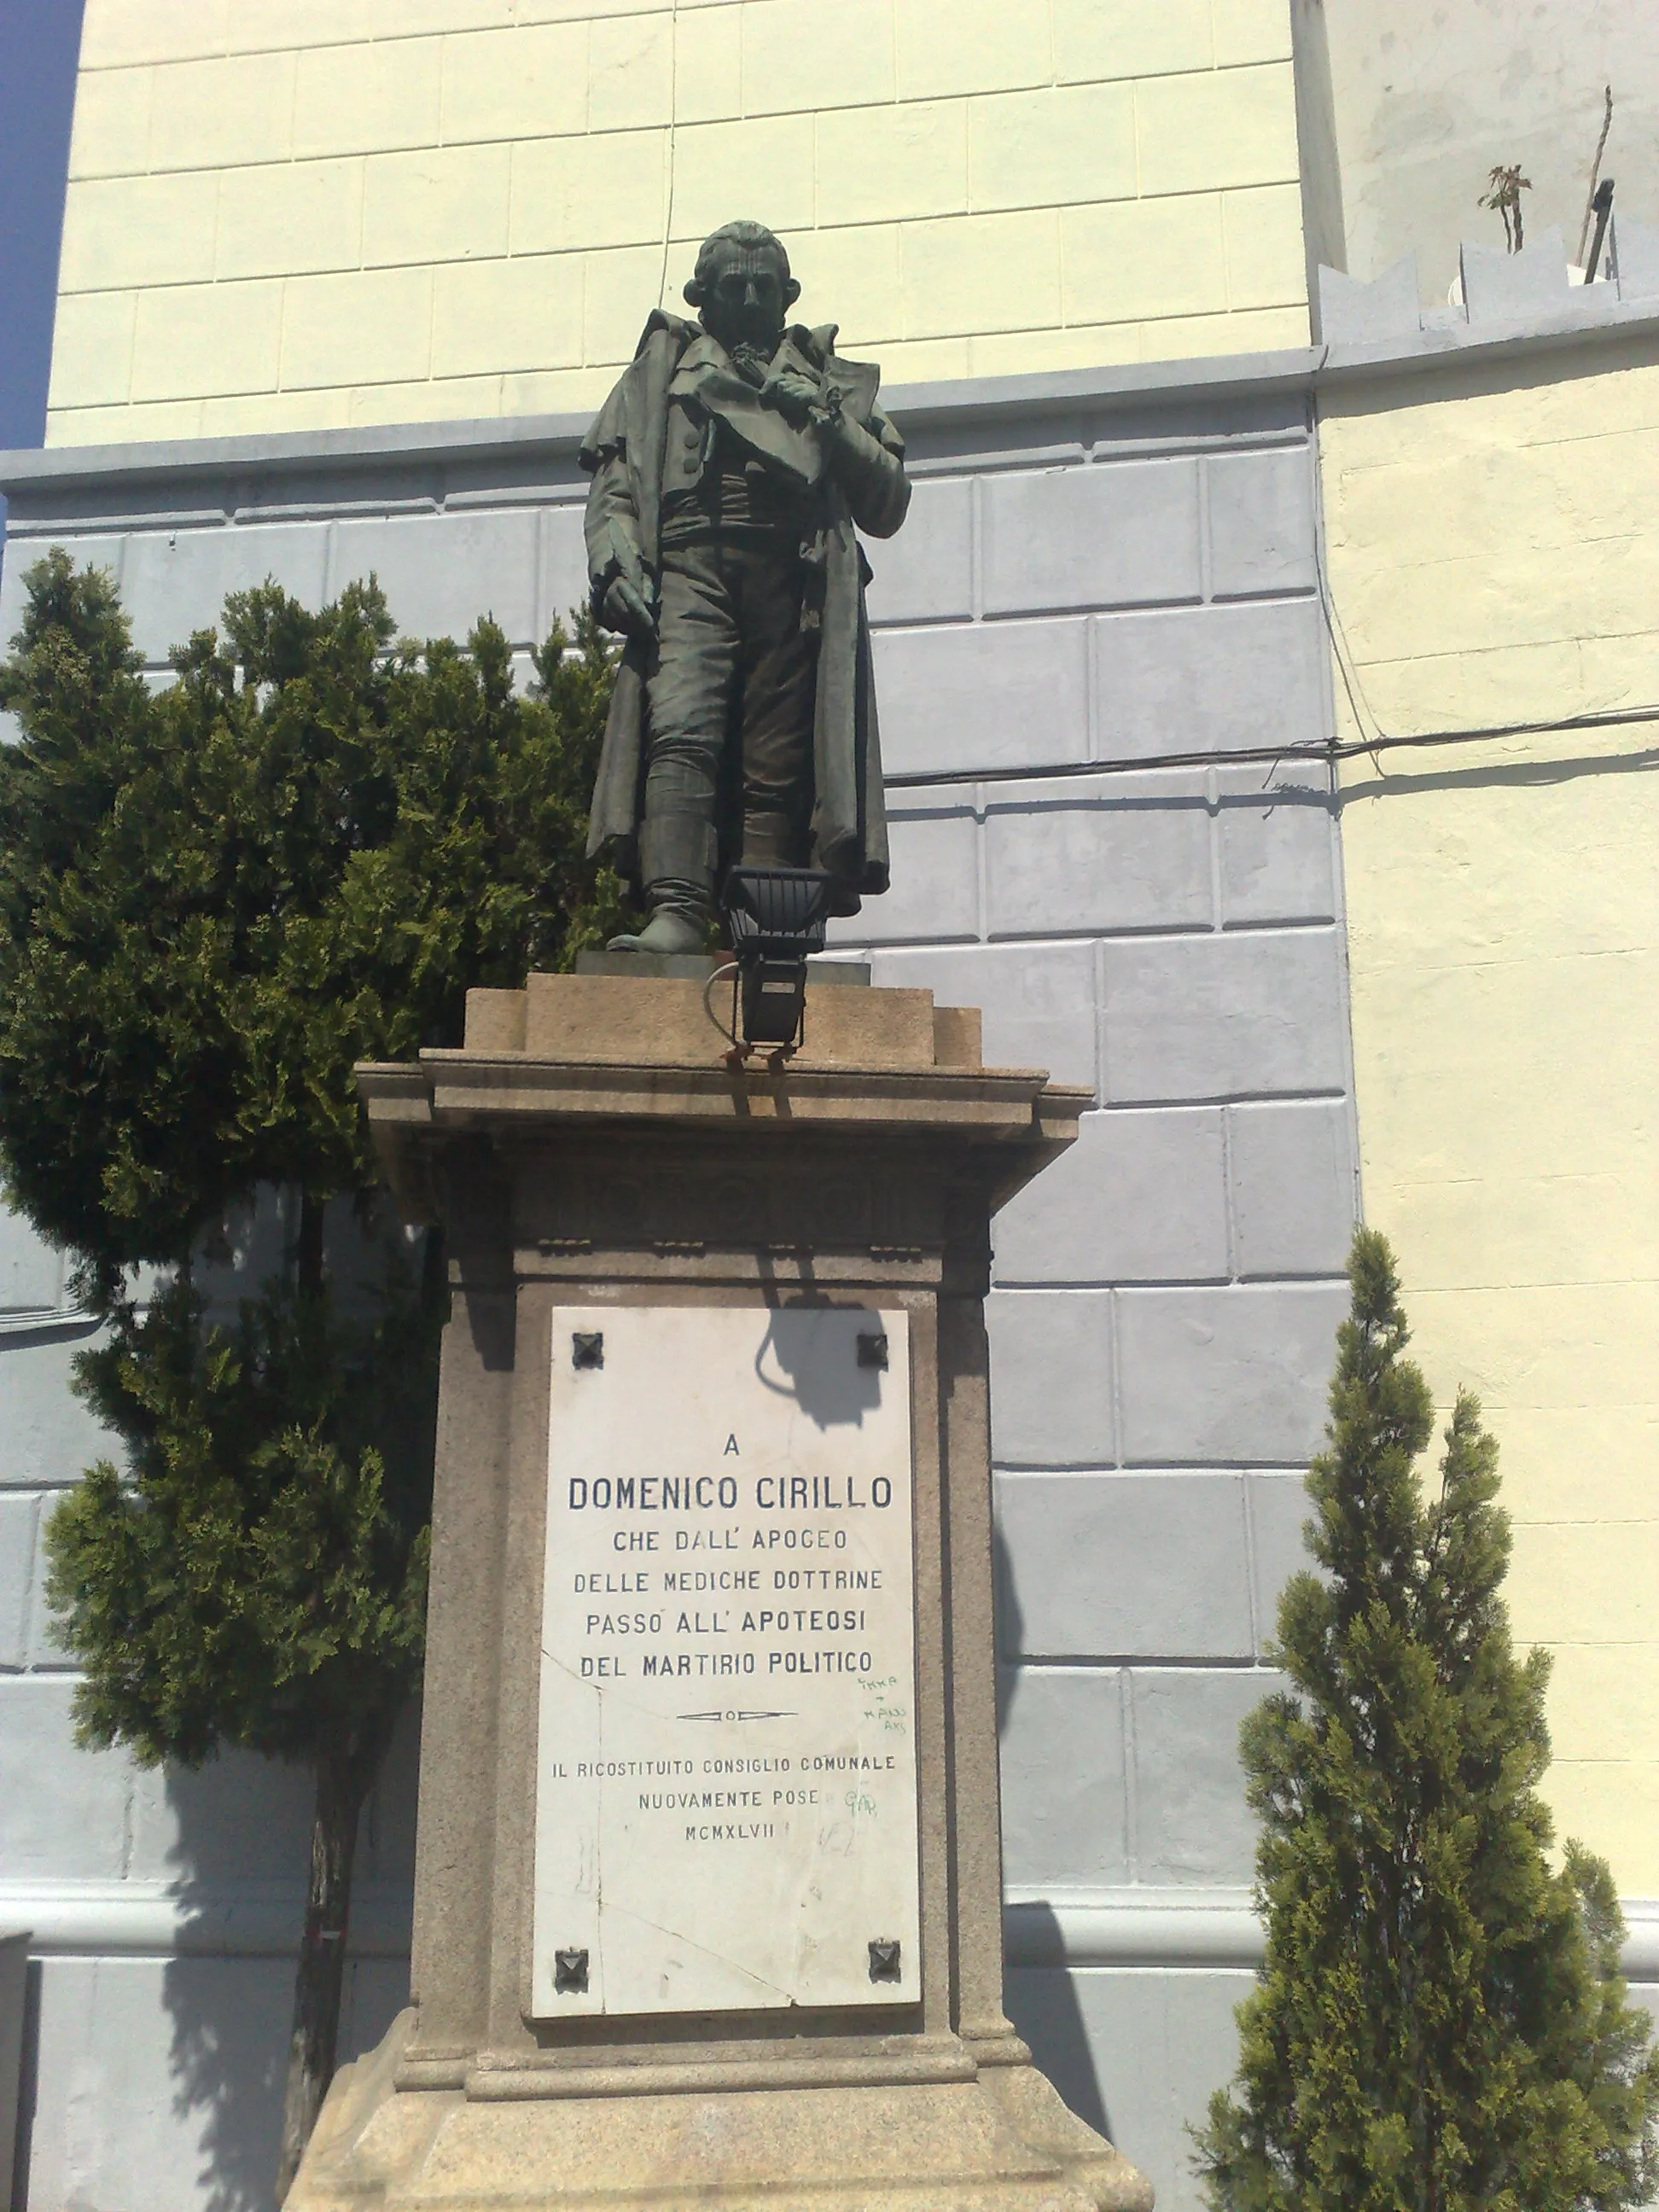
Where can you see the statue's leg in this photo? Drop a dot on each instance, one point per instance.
(689, 699)
(779, 674)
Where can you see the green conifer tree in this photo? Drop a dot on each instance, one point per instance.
(214, 900)
(1440, 2025)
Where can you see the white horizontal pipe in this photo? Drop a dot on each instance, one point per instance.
(1148, 1927)
(1201, 1927)
(156, 1919)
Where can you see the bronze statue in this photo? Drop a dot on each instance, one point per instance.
(731, 466)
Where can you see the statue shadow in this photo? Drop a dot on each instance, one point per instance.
(809, 1354)
(1039, 1994)
(241, 1829)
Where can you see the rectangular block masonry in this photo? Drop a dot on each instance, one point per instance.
(440, 572)
(20, 1520)
(30, 1270)
(1139, 1198)
(1278, 1506)
(436, 203)
(1291, 1170)
(529, 82)
(1038, 1001)
(138, 231)
(23, 549)
(105, 2068)
(75, 1829)
(1051, 1378)
(176, 582)
(984, 695)
(926, 573)
(935, 891)
(796, 58)
(47, 1436)
(1063, 1791)
(1123, 1566)
(1209, 679)
(222, 109)
(1114, 534)
(289, 217)
(1277, 838)
(1119, 854)
(1227, 1375)
(1217, 129)
(1192, 1824)
(1054, 147)
(1136, 2053)
(203, 341)
(366, 98)
(563, 559)
(1217, 1017)
(238, 1818)
(1261, 522)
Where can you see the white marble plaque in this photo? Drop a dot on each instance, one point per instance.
(726, 1806)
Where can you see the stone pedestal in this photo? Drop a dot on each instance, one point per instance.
(589, 1149)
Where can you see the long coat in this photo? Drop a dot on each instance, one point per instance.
(624, 453)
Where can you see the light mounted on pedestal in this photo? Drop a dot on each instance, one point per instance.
(776, 918)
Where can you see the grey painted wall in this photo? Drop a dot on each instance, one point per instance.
(1096, 582)
(1430, 97)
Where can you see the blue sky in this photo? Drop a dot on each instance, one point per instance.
(40, 41)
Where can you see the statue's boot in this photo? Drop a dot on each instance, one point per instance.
(668, 931)
(677, 861)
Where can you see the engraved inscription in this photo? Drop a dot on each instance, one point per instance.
(727, 1813)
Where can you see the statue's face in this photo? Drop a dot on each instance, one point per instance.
(742, 303)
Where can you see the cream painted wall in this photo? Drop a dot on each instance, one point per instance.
(295, 214)
(1493, 558)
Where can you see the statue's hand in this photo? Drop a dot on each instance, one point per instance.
(796, 397)
(627, 609)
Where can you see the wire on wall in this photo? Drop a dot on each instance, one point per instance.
(1612, 718)
(673, 128)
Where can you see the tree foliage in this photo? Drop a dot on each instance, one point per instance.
(1440, 2025)
(257, 1575)
(215, 898)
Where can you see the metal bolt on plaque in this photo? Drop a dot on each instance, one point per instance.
(587, 1348)
(883, 1960)
(872, 1351)
(570, 1971)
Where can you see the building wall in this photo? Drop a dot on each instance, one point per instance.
(1492, 558)
(294, 216)
(1429, 99)
(1079, 580)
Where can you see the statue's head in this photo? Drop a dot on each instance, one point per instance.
(741, 287)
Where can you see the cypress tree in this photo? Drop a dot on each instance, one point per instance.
(216, 899)
(1440, 2025)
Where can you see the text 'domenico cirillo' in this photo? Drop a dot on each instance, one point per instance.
(726, 1811)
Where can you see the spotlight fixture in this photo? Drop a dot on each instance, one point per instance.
(774, 918)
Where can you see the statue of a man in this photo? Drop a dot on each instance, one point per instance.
(732, 465)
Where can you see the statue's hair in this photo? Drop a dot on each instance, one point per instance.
(753, 237)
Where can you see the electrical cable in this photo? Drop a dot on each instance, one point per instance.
(673, 126)
(1332, 751)
(1341, 652)
(727, 968)
(1328, 753)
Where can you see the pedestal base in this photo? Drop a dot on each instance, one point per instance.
(997, 2140)
(593, 1150)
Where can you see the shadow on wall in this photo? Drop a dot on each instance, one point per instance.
(1051, 2023)
(225, 2065)
(230, 2012)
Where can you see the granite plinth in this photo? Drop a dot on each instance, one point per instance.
(698, 967)
(590, 1149)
